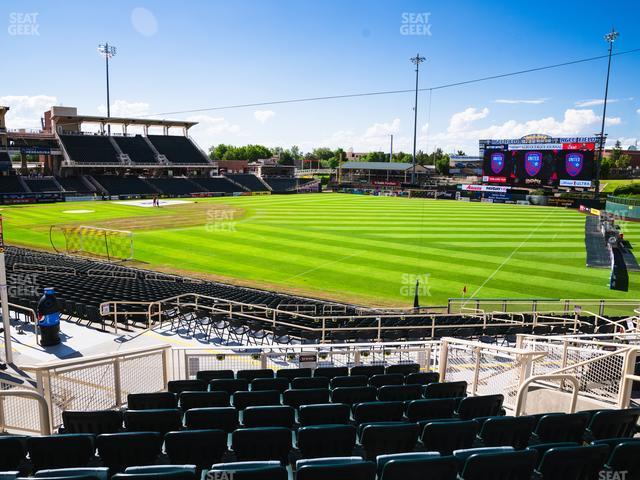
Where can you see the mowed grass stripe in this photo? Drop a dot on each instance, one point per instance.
(358, 247)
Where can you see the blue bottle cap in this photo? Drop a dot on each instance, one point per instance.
(49, 291)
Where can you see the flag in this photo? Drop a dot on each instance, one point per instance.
(464, 290)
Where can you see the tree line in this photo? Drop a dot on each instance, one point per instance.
(323, 157)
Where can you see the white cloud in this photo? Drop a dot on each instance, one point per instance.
(613, 121)
(383, 129)
(594, 102)
(462, 120)
(425, 127)
(214, 125)
(263, 115)
(638, 111)
(534, 101)
(26, 111)
(124, 108)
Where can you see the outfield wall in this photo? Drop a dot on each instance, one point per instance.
(624, 207)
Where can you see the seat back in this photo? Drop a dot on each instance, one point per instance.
(271, 443)
(352, 395)
(14, 450)
(403, 368)
(324, 414)
(279, 384)
(503, 466)
(326, 441)
(217, 418)
(208, 375)
(229, 385)
(353, 471)
(151, 401)
(402, 393)
(97, 473)
(121, 450)
(445, 390)
(349, 381)
(276, 416)
(330, 372)
(561, 427)
(624, 458)
(307, 383)
(160, 420)
(175, 475)
(367, 370)
(613, 423)
(96, 422)
(573, 462)
(386, 379)
(60, 451)
(296, 397)
(421, 378)
(431, 409)
(513, 431)
(189, 400)
(480, 406)
(378, 412)
(439, 468)
(242, 400)
(264, 470)
(179, 386)
(391, 437)
(250, 375)
(292, 373)
(445, 436)
(202, 448)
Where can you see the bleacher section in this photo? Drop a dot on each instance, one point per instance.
(121, 185)
(11, 184)
(178, 149)
(281, 184)
(90, 149)
(248, 180)
(175, 186)
(364, 423)
(217, 184)
(137, 149)
(73, 184)
(41, 184)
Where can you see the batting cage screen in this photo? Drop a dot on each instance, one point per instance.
(101, 242)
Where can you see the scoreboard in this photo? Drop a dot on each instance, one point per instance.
(539, 160)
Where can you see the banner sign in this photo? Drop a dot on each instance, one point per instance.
(484, 188)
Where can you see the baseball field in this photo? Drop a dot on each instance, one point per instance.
(361, 249)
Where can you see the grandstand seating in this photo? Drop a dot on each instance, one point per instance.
(137, 149)
(217, 184)
(178, 149)
(90, 149)
(73, 184)
(281, 184)
(124, 185)
(11, 184)
(381, 438)
(248, 180)
(41, 184)
(174, 185)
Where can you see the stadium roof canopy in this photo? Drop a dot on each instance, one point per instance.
(122, 121)
(381, 166)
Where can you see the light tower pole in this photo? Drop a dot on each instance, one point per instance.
(107, 51)
(610, 38)
(417, 60)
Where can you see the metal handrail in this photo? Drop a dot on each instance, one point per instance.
(43, 408)
(521, 396)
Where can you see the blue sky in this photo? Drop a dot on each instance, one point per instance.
(185, 55)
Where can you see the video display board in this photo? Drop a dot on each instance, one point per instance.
(539, 160)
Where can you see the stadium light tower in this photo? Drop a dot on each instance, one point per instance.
(107, 51)
(417, 60)
(610, 38)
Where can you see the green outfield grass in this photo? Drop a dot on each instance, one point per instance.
(610, 185)
(348, 247)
